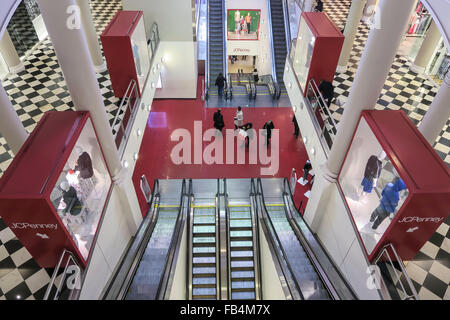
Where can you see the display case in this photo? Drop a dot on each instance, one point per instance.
(126, 51)
(53, 194)
(317, 50)
(395, 185)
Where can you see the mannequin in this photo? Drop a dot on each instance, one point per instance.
(237, 20)
(73, 205)
(388, 202)
(371, 173)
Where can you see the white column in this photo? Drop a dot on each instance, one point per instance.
(73, 55)
(380, 50)
(10, 54)
(11, 127)
(376, 61)
(369, 10)
(438, 112)
(350, 30)
(429, 45)
(91, 35)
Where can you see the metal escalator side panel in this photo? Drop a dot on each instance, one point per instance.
(289, 283)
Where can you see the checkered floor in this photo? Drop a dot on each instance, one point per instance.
(412, 93)
(40, 88)
(403, 89)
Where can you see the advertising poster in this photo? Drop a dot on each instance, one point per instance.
(243, 24)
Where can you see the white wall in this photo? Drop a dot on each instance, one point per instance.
(261, 47)
(114, 233)
(174, 17)
(179, 71)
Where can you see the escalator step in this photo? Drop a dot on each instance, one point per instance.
(239, 248)
(204, 297)
(204, 285)
(203, 265)
(204, 281)
(241, 228)
(203, 254)
(243, 295)
(241, 275)
(204, 234)
(242, 264)
(241, 238)
(244, 258)
(236, 285)
(241, 269)
(205, 244)
(241, 254)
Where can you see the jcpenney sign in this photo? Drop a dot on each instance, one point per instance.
(419, 219)
(26, 225)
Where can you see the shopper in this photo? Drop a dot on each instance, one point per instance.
(319, 6)
(255, 75)
(218, 120)
(268, 126)
(327, 90)
(306, 168)
(248, 133)
(239, 118)
(296, 129)
(220, 84)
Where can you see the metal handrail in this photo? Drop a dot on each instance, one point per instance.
(222, 224)
(75, 291)
(125, 104)
(206, 92)
(224, 39)
(287, 26)
(166, 281)
(230, 86)
(274, 242)
(289, 202)
(125, 272)
(384, 250)
(189, 238)
(227, 217)
(256, 242)
(270, 34)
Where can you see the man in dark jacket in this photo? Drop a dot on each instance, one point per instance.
(296, 129)
(319, 7)
(218, 120)
(268, 126)
(327, 90)
(220, 84)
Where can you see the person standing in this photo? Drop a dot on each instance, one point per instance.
(268, 126)
(239, 118)
(306, 168)
(237, 19)
(255, 75)
(296, 129)
(220, 84)
(319, 6)
(218, 120)
(327, 90)
(248, 19)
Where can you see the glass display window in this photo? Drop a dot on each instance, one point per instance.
(81, 190)
(303, 52)
(140, 52)
(372, 187)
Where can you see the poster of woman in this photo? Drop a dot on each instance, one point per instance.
(243, 24)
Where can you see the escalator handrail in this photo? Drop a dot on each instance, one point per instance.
(218, 277)
(227, 218)
(128, 266)
(189, 245)
(166, 280)
(309, 251)
(256, 242)
(207, 71)
(274, 240)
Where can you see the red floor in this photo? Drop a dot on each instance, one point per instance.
(167, 115)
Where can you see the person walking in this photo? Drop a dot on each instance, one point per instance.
(248, 133)
(268, 126)
(239, 118)
(218, 120)
(220, 84)
(296, 129)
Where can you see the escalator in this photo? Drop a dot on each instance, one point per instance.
(309, 272)
(144, 271)
(279, 41)
(204, 243)
(215, 41)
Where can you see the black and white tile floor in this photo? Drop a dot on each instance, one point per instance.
(412, 93)
(40, 88)
(403, 89)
